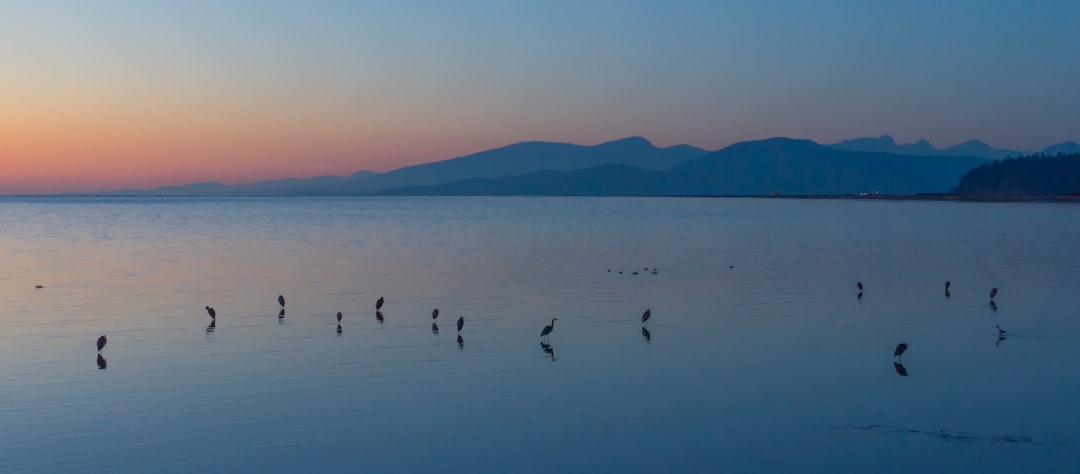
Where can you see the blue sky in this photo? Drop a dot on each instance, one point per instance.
(334, 86)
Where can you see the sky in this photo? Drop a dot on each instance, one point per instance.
(100, 95)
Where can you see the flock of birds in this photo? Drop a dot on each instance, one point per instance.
(898, 353)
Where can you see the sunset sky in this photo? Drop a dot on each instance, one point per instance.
(116, 94)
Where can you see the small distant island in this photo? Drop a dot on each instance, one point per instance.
(1033, 175)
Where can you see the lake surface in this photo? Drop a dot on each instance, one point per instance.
(761, 357)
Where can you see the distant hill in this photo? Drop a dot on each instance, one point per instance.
(516, 159)
(1034, 175)
(886, 144)
(781, 165)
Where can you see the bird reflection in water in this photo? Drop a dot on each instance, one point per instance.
(281, 314)
(997, 341)
(648, 335)
(859, 296)
(548, 349)
(101, 362)
(379, 316)
(900, 369)
(210, 327)
(434, 328)
(993, 305)
(339, 329)
(460, 342)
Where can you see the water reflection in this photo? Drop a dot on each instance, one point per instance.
(102, 363)
(460, 342)
(859, 296)
(997, 341)
(993, 305)
(339, 329)
(900, 369)
(379, 317)
(648, 335)
(281, 314)
(434, 328)
(947, 294)
(210, 327)
(548, 349)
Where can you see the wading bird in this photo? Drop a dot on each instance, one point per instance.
(211, 312)
(378, 304)
(101, 341)
(993, 293)
(339, 316)
(547, 329)
(899, 352)
(947, 285)
(281, 300)
(460, 323)
(645, 317)
(859, 286)
(435, 314)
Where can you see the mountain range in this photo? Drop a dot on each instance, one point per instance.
(633, 165)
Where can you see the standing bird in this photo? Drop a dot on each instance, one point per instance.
(947, 285)
(101, 341)
(900, 348)
(435, 314)
(460, 323)
(1001, 332)
(378, 304)
(859, 285)
(547, 329)
(339, 316)
(281, 300)
(993, 293)
(645, 316)
(211, 312)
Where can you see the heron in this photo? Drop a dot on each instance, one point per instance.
(547, 329)
(378, 304)
(211, 312)
(281, 300)
(339, 316)
(947, 285)
(993, 293)
(645, 316)
(460, 323)
(1001, 332)
(859, 286)
(900, 348)
(435, 314)
(101, 341)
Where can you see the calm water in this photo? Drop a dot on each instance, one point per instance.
(773, 365)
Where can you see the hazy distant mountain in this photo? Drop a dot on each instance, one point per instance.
(886, 144)
(317, 186)
(1065, 148)
(780, 165)
(516, 159)
(527, 157)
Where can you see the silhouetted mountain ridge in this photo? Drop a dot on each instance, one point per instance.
(1033, 175)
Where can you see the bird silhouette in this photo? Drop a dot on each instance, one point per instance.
(211, 312)
(435, 314)
(101, 362)
(899, 352)
(900, 369)
(338, 316)
(993, 293)
(645, 317)
(379, 303)
(281, 300)
(947, 285)
(38, 287)
(547, 329)
(101, 341)
(1001, 332)
(461, 323)
(859, 286)
(645, 332)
